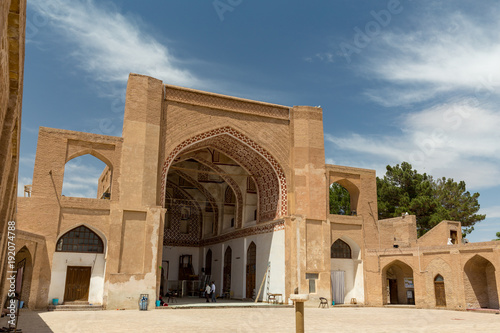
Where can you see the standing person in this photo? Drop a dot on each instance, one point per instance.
(212, 290)
(207, 292)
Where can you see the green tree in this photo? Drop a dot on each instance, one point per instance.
(498, 236)
(403, 189)
(340, 200)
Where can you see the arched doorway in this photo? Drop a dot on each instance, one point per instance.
(236, 184)
(346, 271)
(250, 269)
(480, 284)
(24, 269)
(78, 267)
(439, 290)
(208, 263)
(227, 271)
(397, 284)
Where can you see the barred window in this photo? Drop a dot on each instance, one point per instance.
(80, 239)
(340, 249)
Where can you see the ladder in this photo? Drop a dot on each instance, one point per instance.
(268, 273)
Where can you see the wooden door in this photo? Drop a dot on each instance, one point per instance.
(393, 291)
(251, 265)
(440, 293)
(77, 284)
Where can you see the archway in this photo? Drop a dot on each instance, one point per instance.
(250, 270)
(78, 266)
(255, 160)
(398, 288)
(239, 189)
(227, 270)
(346, 271)
(439, 291)
(208, 263)
(344, 196)
(480, 283)
(24, 269)
(87, 176)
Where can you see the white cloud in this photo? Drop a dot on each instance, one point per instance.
(492, 212)
(458, 140)
(81, 176)
(444, 53)
(108, 46)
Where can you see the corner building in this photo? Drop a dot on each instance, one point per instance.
(204, 187)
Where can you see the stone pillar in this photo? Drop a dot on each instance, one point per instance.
(299, 300)
(132, 267)
(309, 198)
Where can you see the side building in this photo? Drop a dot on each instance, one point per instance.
(12, 31)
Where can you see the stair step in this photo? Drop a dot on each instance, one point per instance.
(75, 307)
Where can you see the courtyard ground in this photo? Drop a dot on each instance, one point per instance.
(278, 319)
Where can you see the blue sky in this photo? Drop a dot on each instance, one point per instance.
(415, 81)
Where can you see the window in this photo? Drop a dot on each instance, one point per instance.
(312, 277)
(80, 239)
(340, 249)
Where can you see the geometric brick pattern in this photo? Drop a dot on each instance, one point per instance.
(172, 236)
(268, 174)
(183, 95)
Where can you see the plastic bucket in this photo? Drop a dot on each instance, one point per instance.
(333, 302)
(158, 303)
(21, 304)
(55, 301)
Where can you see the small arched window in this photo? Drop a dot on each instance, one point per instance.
(229, 197)
(439, 278)
(340, 249)
(80, 239)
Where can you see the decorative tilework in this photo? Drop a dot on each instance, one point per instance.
(269, 176)
(172, 236)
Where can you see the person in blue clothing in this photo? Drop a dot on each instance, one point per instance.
(212, 291)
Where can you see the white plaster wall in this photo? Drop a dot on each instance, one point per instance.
(60, 263)
(172, 254)
(269, 247)
(353, 278)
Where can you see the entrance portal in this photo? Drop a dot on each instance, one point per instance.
(77, 284)
(398, 283)
(480, 284)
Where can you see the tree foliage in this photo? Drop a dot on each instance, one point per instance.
(403, 189)
(340, 200)
(498, 236)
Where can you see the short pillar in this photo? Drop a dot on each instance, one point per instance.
(299, 300)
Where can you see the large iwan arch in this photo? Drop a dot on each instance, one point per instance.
(270, 178)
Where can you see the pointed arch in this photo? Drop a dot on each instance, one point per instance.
(80, 239)
(251, 269)
(228, 254)
(340, 250)
(480, 283)
(272, 181)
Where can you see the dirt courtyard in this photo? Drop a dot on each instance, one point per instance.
(259, 320)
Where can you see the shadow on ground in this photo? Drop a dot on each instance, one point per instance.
(29, 322)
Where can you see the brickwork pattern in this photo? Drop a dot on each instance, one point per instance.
(172, 236)
(183, 95)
